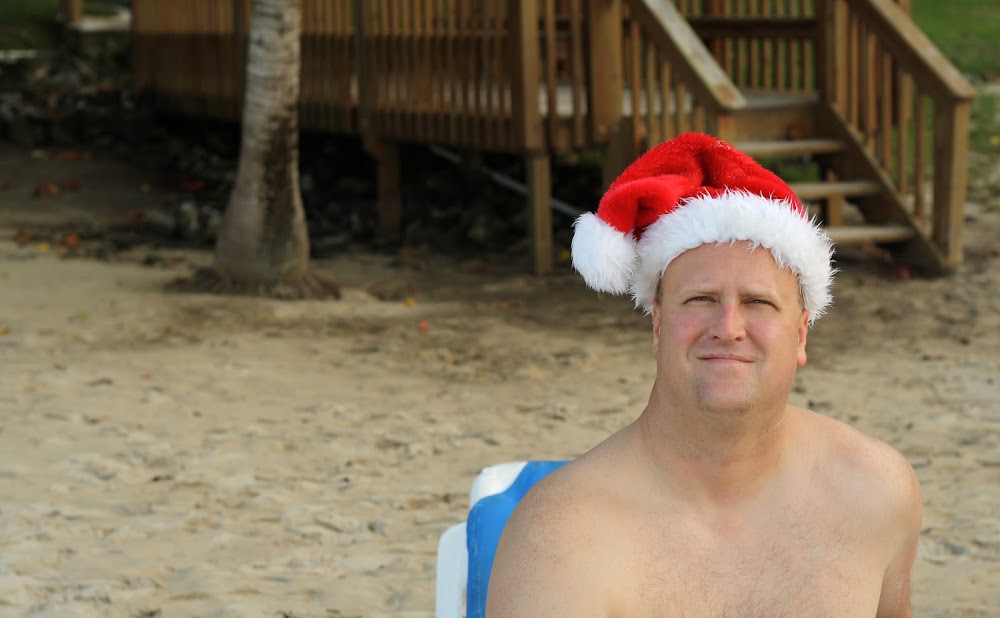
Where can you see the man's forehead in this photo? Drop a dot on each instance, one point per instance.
(708, 263)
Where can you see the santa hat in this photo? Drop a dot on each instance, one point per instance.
(689, 191)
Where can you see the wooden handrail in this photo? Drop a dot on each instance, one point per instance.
(913, 50)
(904, 109)
(670, 30)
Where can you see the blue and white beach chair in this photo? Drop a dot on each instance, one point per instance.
(466, 550)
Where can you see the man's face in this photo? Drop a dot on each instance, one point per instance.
(729, 329)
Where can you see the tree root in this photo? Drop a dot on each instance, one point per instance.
(207, 281)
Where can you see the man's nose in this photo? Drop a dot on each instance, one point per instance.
(729, 323)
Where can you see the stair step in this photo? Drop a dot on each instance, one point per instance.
(862, 234)
(842, 188)
(789, 148)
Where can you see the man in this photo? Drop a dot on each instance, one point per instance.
(721, 499)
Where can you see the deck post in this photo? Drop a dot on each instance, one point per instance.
(72, 11)
(951, 147)
(605, 86)
(539, 192)
(388, 202)
(528, 128)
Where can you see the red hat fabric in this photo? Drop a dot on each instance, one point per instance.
(692, 190)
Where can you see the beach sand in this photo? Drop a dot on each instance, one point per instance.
(194, 455)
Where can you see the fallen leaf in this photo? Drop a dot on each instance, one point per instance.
(70, 240)
(43, 247)
(22, 237)
(47, 190)
(409, 302)
(192, 186)
(100, 381)
(5, 330)
(423, 325)
(66, 155)
(71, 185)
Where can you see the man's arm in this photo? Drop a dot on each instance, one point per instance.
(907, 511)
(546, 563)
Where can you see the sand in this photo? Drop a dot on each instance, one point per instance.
(189, 455)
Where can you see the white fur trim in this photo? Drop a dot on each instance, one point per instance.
(795, 242)
(603, 255)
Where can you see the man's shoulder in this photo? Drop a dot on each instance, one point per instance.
(861, 464)
(562, 500)
(554, 547)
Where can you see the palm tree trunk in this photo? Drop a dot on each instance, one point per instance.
(263, 239)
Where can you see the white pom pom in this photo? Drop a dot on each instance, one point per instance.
(604, 256)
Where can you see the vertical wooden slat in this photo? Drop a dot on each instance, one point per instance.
(680, 109)
(604, 80)
(666, 116)
(442, 74)
(484, 82)
(904, 106)
(411, 72)
(400, 73)
(477, 28)
(493, 72)
(72, 10)
(451, 75)
(871, 72)
(524, 87)
(367, 63)
(635, 79)
(886, 107)
(951, 144)
(768, 53)
(652, 126)
(833, 214)
(551, 53)
(920, 159)
(853, 77)
(502, 72)
(577, 73)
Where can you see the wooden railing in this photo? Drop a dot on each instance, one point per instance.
(502, 75)
(906, 111)
(71, 10)
(672, 83)
(761, 44)
(190, 54)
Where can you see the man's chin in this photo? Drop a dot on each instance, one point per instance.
(734, 404)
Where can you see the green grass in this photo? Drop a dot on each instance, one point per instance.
(966, 31)
(34, 24)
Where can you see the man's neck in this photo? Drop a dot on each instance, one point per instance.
(714, 458)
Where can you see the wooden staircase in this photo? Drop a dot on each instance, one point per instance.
(880, 112)
(778, 129)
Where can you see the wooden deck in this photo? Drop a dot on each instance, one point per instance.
(851, 83)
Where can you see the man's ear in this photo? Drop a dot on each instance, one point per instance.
(657, 310)
(803, 333)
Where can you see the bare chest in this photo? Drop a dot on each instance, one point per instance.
(786, 568)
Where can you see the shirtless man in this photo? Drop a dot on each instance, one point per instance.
(721, 499)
